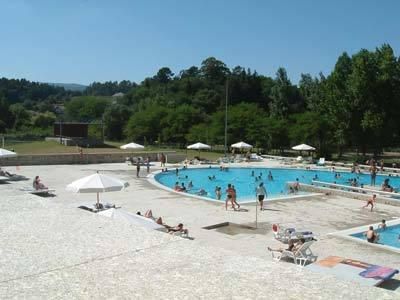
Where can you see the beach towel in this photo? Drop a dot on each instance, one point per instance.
(330, 261)
(379, 272)
(356, 263)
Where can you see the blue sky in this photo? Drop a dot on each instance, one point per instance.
(81, 41)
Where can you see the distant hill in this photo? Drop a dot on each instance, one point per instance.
(71, 86)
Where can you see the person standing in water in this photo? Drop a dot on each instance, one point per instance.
(261, 194)
(373, 171)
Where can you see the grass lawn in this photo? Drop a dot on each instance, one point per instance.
(44, 147)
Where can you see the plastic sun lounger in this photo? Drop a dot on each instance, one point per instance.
(300, 257)
(38, 192)
(352, 270)
(285, 234)
(16, 177)
(4, 179)
(42, 191)
(321, 161)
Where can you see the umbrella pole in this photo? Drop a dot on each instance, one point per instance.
(98, 200)
(256, 212)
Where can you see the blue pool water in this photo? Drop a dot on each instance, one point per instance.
(245, 184)
(389, 236)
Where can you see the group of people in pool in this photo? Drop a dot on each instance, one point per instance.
(259, 177)
(372, 236)
(231, 195)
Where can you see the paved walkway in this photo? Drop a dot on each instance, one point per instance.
(51, 249)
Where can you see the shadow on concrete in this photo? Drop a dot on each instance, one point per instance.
(391, 284)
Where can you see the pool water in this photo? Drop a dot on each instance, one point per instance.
(389, 236)
(245, 184)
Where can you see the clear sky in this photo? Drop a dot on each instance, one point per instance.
(81, 41)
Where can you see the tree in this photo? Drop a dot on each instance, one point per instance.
(5, 115)
(86, 108)
(20, 116)
(146, 124)
(44, 120)
(214, 70)
(312, 128)
(115, 118)
(281, 93)
(178, 122)
(276, 131)
(164, 75)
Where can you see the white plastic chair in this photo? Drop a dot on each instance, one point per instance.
(300, 257)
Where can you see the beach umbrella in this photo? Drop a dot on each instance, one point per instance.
(132, 146)
(6, 153)
(198, 146)
(241, 145)
(303, 147)
(131, 218)
(96, 183)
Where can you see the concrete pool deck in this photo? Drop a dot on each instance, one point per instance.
(51, 249)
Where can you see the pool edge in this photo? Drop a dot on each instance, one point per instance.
(346, 234)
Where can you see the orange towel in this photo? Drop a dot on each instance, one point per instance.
(330, 261)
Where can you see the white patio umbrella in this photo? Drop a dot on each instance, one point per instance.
(303, 147)
(131, 218)
(132, 146)
(6, 153)
(198, 146)
(96, 183)
(241, 145)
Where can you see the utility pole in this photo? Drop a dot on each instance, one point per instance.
(226, 117)
(60, 132)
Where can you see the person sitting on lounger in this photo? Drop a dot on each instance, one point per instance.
(37, 185)
(372, 236)
(292, 246)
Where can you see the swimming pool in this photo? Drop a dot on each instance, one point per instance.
(389, 236)
(245, 183)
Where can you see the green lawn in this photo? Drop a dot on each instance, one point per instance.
(44, 147)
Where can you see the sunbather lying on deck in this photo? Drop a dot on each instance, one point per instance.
(177, 228)
(5, 173)
(149, 214)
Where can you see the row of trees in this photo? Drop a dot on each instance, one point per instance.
(356, 105)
